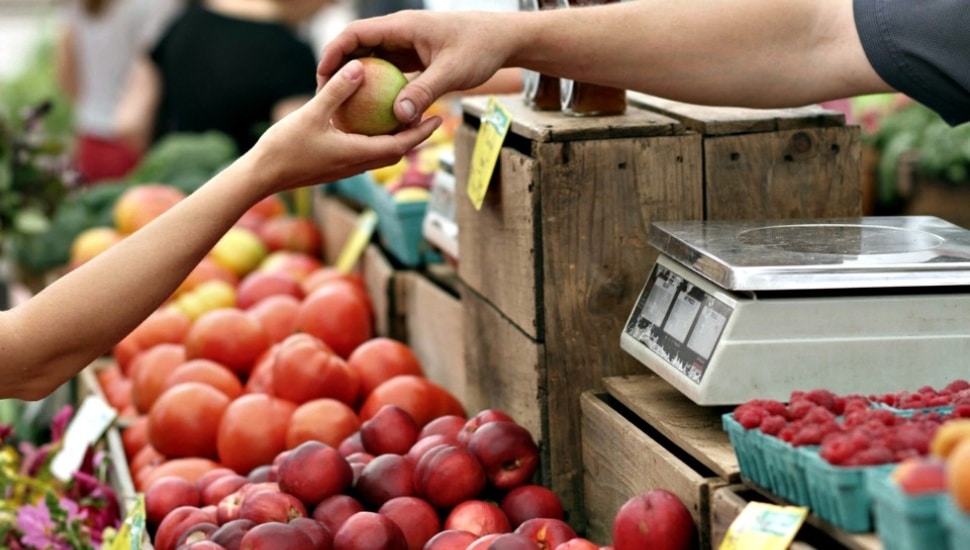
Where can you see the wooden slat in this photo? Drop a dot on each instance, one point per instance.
(379, 281)
(434, 332)
(693, 428)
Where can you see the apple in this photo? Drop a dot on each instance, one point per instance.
(140, 204)
(166, 494)
(177, 522)
(447, 475)
(313, 471)
(655, 519)
(333, 511)
(512, 541)
(275, 535)
(267, 506)
(369, 531)
(427, 443)
(416, 517)
(480, 418)
(477, 516)
(196, 533)
(351, 444)
(507, 451)
(319, 535)
(385, 477)
(531, 501)
(229, 535)
(451, 539)
(259, 285)
(447, 425)
(259, 474)
(391, 430)
(920, 475)
(546, 532)
(203, 545)
(370, 110)
(578, 543)
(294, 264)
(239, 250)
(484, 542)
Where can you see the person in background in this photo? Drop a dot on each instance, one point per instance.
(96, 48)
(233, 66)
(51, 337)
(744, 53)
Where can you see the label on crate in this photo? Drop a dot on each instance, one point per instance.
(133, 532)
(763, 526)
(491, 133)
(88, 425)
(357, 242)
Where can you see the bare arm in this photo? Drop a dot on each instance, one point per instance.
(752, 53)
(65, 61)
(135, 113)
(51, 337)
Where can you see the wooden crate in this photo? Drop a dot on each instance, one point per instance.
(432, 310)
(728, 501)
(554, 260)
(336, 219)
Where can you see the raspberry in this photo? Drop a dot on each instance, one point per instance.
(837, 450)
(823, 398)
(749, 417)
(938, 401)
(957, 386)
(926, 390)
(773, 424)
(787, 433)
(799, 408)
(882, 416)
(871, 457)
(856, 418)
(807, 435)
(962, 411)
(819, 415)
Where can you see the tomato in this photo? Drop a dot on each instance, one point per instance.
(163, 326)
(261, 378)
(208, 372)
(150, 370)
(422, 398)
(380, 359)
(327, 274)
(188, 468)
(118, 393)
(146, 458)
(184, 420)
(277, 314)
(327, 420)
(292, 233)
(337, 315)
(259, 285)
(305, 368)
(135, 435)
(206, 270)
(253, 431)
(227, 336)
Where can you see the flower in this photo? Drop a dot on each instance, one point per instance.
(38, 529)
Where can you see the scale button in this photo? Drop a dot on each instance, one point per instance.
(642, 323)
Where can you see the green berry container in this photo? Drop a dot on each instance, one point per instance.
(839, 494)
(956, 525)
(749, 448)
(907, 522)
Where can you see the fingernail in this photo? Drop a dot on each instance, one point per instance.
(353, 70)
(407, 107)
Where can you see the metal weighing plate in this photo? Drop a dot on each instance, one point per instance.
(841, 253)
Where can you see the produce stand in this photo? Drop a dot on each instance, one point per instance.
(570, 203)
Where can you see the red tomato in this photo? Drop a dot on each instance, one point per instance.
(305, 368)
(337, 315)
(184, 420)
(227, 336)
(150, 370)
(422, 398)
(253, 431)
(163, 326)
(261, 378)
(208, 372)
(277, 314)
(188, 468)
(135, 435)
(328, 274)
(380, 359)
(327, 420)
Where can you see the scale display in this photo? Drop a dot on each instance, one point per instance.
(678, 321)
(738, 310)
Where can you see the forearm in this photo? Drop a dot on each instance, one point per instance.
(48, 339)
(699, 51)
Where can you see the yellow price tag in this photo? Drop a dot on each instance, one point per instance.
(355, 245)
(132, 531)
(491, 133)
(763, 526)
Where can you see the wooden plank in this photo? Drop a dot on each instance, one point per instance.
(695, 429)
(719, 121)
(499, 259)
(434, 332)
(379, 281)
(726, 505)
(504, 368)
(621, 460)
(807, 173)
(552, 126)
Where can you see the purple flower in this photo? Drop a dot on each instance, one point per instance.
(60, 421)
(38, 529)
(5, 432)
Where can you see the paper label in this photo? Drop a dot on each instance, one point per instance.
(763, 526)
(357, 242)
(132, 532)
(88, 425)
(491, 133)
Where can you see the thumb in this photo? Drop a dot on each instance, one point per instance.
(342, 85)
(418, 95)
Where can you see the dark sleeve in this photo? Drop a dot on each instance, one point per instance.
(297, 75)
(922, 49)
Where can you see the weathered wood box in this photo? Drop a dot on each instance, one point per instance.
(554, 260)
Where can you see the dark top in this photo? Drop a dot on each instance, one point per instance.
(222, 73)
(921, 49)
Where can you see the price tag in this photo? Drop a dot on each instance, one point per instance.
(366, 224)
(132, 533)
(89, 423)
(491, 133)
(763, 526)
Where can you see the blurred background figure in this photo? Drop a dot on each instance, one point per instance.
(95, 51)
(234, 66)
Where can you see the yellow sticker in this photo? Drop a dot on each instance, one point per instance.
(132, 532)
(763, 526)
(491, 133)
(357, 242)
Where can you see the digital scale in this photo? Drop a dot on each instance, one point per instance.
(739, 310)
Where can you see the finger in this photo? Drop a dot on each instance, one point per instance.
(341, 86)
(419, 93)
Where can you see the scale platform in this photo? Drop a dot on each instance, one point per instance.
(739, 310)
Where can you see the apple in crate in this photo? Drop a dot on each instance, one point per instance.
(657, 520)
(507, 451)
